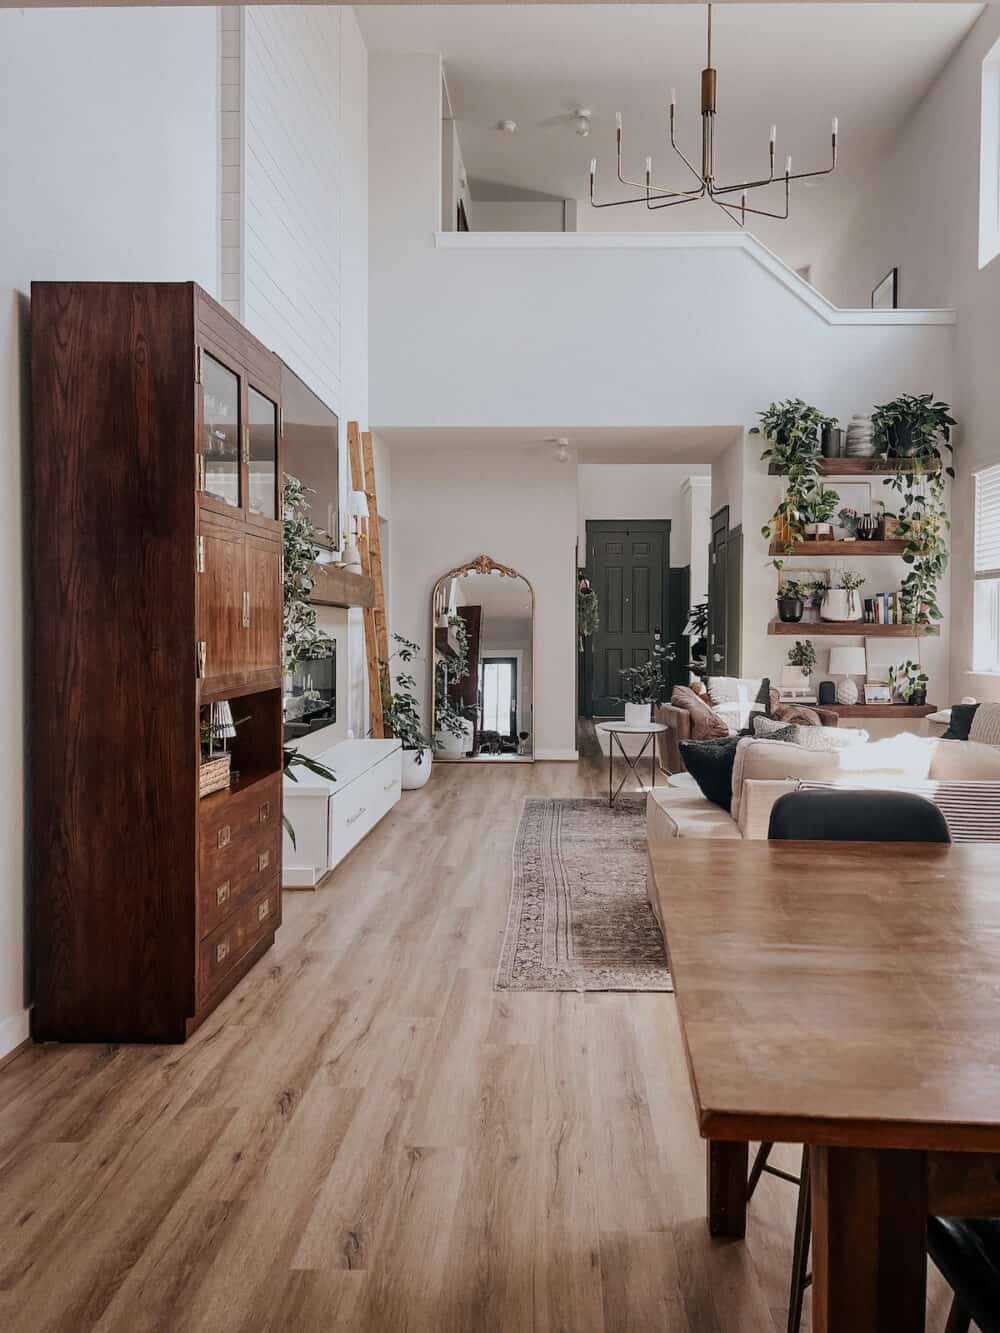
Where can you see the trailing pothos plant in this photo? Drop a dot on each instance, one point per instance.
(792, 429)
(916, 428)
(400, 709)
(302, 637)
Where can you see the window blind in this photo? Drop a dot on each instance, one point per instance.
(988, 523)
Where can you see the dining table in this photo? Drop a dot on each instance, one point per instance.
(844, 996)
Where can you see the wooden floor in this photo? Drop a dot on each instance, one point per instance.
(367, 1136)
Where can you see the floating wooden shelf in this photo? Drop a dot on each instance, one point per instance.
(853, 467)
(880, 710)
(338, 587)
(858, 548)
(806, 629)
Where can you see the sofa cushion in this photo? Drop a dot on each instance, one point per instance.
(683, 812)
(710, 763)
(756, 799)
(957, 761)
(706, 724)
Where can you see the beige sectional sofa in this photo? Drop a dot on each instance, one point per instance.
(767, 769)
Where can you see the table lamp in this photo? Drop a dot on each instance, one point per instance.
(847, 662)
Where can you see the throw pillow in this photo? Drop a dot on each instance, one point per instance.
(830, 738)
(706, 724)
(738, 697)
(710, 763)
(986, 724)
(772, 728)
(961, 722)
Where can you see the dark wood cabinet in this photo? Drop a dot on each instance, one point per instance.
(156, 565)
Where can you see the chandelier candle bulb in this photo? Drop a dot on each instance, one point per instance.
(788, 166)
(649, 169)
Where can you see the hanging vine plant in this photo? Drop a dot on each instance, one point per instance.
(302, 637)
(792, 429)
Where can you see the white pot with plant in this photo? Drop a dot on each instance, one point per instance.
(842, 601)
(401, 715)
(454, 730)
(801, 665)
(817, 509)
(646, 685)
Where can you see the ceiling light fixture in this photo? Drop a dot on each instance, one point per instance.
(581, 122)
(656, 196)
(508, 126)
(562, 453)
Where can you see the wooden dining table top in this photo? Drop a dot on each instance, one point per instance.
(838, 993)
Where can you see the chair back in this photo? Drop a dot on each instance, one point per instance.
(857, 816)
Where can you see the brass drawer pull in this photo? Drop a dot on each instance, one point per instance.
(263, 860)
(222, 893)
(354, 818)
(222, 950)
(225, 835)
(264, 813)
(264, 910)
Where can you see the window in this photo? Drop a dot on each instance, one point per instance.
(499, 695)
(989, 164)
(986, 615)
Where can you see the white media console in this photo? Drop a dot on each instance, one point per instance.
(330, 818)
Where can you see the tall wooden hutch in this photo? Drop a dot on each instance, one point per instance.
(156, 553)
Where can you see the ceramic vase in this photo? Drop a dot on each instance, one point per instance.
(416, 768)
(638, 715)
(847, 691)
(840, 604)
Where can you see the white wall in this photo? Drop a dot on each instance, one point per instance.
(636, 490)
(108, 161)
(922, 215)
(450, 505)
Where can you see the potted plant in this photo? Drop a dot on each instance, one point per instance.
(841, 600)
(454, 723)
(401, 715)
(791, 424)
(913, 426)
(302, 638)
(791, 428)
(588, 617)
(645, 685)
(802, 655)
(791, 596)
(817, 507)
(908, 683)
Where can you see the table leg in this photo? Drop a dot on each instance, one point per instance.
(869, 1240)
(727, 1188)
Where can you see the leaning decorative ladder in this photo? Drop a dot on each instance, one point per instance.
(362, 458)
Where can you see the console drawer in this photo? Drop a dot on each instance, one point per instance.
(251, 868)
(222, 950)
(353, 812)
(232, 824)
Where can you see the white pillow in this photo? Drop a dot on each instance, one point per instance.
(810, 738)
(736, 697)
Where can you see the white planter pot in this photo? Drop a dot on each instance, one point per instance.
(638, 715)
(453, 747)
(794, 677)
(839, 604)
(416, 768)
(819, 531)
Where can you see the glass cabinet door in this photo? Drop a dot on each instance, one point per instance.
(221, 440)
(263, 455)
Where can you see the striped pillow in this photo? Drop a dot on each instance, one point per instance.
(971, 809)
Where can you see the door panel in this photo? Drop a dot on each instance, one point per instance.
(717, 583)
(627, 567)
(220, 599)
(263, 585)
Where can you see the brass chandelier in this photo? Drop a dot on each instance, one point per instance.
(657, 196)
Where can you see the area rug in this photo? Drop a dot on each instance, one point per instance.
(579, 917)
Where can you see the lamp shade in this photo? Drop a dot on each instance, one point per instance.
(357, 504)
(848, 662)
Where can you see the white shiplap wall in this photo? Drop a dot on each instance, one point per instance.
(293, 233)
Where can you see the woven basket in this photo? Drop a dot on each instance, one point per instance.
(213, 774)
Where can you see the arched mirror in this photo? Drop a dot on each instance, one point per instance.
(482, 628)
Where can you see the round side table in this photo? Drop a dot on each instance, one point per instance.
(618, 729)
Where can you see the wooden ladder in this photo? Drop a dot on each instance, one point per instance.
(362, 458)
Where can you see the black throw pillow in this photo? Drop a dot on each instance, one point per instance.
(961, 722)
(710, 763)
(764, 695)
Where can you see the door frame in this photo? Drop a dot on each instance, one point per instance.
(733, 593)
(594, 526)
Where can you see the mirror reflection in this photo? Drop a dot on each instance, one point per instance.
(483, 626)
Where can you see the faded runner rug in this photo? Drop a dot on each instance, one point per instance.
(579, 917)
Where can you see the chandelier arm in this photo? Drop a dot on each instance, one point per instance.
(661, 192)
(746, 185)
(732, 212)
(690, 166)
(644, 198)
(673, 203)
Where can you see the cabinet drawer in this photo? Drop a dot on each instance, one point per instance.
(222, 950)
(251, 867)
(353, 812)
(388, 784)
(233, 824)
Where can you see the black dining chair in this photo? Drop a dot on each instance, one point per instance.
(857, 816)
(840, 816)
(967, 1251)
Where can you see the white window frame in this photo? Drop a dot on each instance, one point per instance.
(989, 160)
(986, 602)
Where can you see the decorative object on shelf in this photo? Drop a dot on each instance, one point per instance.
(877, 693)
(888, 527)
(588, 615)
(792, 430)
(831, 441)
(885, 294)
(841, 601)
(868, 528)
(848, 524)
(791, 602)
(802, 658)
(302, 639)
(860, 441)
(357, 509)
(908, 683)
(847, 662)
(817, 508)
(913, 426)
(217, 724)
(826, 692)
(646, 685)
(697, 631)
(401, 714)
(654, 196)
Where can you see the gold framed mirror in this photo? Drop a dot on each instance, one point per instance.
(482, 690)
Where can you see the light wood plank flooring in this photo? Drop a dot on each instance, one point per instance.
(367, 1136)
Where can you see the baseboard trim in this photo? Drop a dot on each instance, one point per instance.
(559, 756)
(15, 1033)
